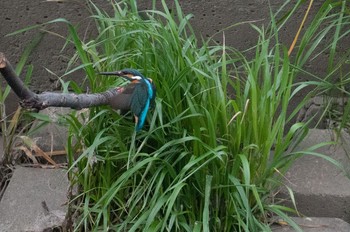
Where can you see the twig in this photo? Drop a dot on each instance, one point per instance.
(113, 97)
(14, 82)
(45, 166)
(53, 153)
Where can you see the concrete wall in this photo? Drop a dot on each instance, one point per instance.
(210, 16)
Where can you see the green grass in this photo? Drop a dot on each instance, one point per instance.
(204, 161)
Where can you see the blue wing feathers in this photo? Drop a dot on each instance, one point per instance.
(142, 100)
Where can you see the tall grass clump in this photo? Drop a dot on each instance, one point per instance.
(204, 160)
(335, 18)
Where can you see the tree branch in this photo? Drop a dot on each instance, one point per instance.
(14, 82)
(113, 97)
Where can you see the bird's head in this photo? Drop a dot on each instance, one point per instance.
(135, 76)
(129, 74)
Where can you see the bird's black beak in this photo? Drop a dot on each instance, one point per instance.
(114, 73)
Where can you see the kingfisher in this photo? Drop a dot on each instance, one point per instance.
(138, 96)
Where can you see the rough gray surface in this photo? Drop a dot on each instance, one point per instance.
(19, 14)
(21, 208)
(209, 19)
(320, 188)
(316, 225)
(314, 109)
(11, 104)
(53, 135)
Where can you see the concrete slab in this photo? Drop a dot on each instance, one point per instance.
(34, 200)
(316, 225)
(53, 136)
(321, 189)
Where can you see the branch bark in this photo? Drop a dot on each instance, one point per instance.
(116, 98)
